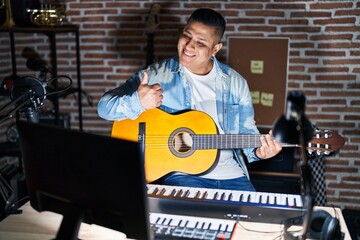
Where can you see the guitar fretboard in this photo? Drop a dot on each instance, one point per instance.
(228, 141)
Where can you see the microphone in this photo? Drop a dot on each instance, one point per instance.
(37, 64)
(294, 116)
(295, 106)
(29, 93)
(30, 53)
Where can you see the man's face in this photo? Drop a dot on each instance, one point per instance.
(196, 45)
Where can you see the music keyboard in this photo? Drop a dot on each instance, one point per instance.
(232, 196)
(168, 226)
(223, 204)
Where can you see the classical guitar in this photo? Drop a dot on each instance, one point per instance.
(189, 141)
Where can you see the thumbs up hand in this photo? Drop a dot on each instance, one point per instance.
(150, 95)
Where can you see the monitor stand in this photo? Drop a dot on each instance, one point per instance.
(70, 224)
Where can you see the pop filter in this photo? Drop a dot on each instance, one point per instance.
(30, 93)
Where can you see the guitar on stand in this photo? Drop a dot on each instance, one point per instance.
(189, 141)
(151, 25)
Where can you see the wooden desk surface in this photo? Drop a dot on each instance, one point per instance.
(30, 225)
(256, 231)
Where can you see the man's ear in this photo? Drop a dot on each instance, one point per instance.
(217, 48)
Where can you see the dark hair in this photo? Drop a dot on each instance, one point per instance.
(209, 17)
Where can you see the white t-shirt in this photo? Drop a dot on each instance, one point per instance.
(204, 99)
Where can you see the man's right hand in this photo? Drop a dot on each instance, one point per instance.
(150, 95)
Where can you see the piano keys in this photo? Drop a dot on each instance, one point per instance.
(224, 204)
(231, 196)
(168, 226)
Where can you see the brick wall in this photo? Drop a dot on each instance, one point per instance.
(324, 60)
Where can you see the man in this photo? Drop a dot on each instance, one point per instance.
(195, 79)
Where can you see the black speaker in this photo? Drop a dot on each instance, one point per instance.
(282, 162)
(63, 120)
(352, 220)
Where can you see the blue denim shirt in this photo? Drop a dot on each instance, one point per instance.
(234, 104)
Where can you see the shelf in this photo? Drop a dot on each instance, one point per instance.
(50, 32)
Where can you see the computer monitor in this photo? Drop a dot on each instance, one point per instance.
(85, 177)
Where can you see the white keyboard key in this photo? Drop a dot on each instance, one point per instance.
(298, 200)
(271, 198)
(291, 200)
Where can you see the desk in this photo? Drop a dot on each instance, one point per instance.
(30, 225)
(263, 231)
(34, 225)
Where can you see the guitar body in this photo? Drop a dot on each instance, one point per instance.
(163, 154)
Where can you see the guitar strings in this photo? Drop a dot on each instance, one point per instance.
(203, 141)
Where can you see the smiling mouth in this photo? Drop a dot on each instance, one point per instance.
(188, 54)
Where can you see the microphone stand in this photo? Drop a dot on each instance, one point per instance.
(306, 180)
(306, 177)
(7, 194)
(29, 96)
(298, 130)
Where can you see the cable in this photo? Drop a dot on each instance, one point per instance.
(61, 90)
(257, 231)
(253, 230)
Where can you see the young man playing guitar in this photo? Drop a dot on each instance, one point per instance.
(196, 80)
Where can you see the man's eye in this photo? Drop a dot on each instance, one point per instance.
(186, 36)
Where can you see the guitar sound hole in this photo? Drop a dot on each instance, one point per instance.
(181, 142)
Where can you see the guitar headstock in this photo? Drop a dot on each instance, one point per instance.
(326, 142)
(153, 19)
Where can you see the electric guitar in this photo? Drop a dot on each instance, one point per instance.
(151, 25)
(189, 141)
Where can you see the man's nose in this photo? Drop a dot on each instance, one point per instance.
(190, 43)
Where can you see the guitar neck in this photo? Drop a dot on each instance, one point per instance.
(151, 25)
(150, 49)
(229, 141)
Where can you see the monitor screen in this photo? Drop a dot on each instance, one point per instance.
(85, 177)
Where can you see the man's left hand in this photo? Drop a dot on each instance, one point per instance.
(269, 147)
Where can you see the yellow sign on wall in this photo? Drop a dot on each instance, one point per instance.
(265, 99)
(257, 66)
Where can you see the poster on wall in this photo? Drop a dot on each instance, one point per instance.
(263, 62)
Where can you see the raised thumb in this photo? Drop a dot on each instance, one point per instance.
(145, 79)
